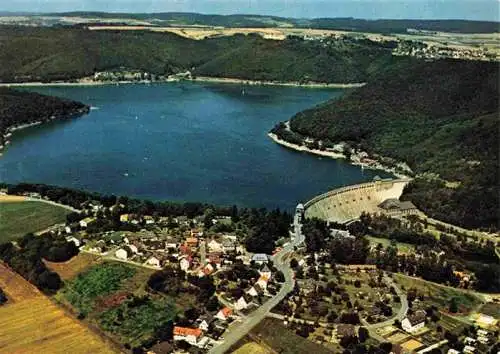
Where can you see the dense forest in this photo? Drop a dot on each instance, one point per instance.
(440, 117)
(345, 24)
(48, 54)
(18, 107)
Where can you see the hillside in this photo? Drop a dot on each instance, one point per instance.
(18, 107)
(440, 117)
(34, 54)
(345, 24)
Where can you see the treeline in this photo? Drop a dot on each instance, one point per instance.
(345, 24)
(48, 54)
(441, 118)
(19, 107)
(26, 259)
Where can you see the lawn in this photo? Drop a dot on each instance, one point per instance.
(439, 295)
(20, 218)
(491, 309)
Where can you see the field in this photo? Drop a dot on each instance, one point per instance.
(439, 295)
(252, 348)
(20, 218)
(282, 340)
(33, 324)
(76, 265)
(402, 247)
(491, 309)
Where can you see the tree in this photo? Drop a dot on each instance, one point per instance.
(294, 263)
(363, 334)
(453, 308)
(213, 304)
(279, 276)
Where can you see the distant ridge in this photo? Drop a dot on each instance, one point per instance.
(341, 23)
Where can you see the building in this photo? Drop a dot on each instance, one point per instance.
(341, 234)
(74, 240)
(184, 263)
(414, 322)
(153, 261)
(214, 246)
(228, 245)
(260, 258)
(86, 222)
(394, 206)
(191, 241)
(190, 335)
(124, 217)
(121, 254)
(224, 314)
(265, 271)
(262, 282)
(241, 304)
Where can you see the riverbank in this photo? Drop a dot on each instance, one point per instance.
(356, 159)
(200, 79)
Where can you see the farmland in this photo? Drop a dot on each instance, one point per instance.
(20, 218)
(50, 329)
(76, 265)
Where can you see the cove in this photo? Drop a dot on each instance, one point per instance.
(179, 142)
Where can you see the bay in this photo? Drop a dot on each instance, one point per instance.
(179, 142)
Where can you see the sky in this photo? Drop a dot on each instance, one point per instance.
(369, 9)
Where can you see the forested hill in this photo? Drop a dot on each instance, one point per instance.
(440, 117)
(19, 107)
(46, 54)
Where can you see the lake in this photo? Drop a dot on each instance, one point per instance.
(179, 142)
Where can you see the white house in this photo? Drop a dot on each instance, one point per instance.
(67, 229)
(133, 248)
(224, 314)
(86, 222)
(184, 264)
(414, 322)
(214, 246)
(252, 292)
(121, 254)
(74, 240)
(241, 304)
(260, 258)
(203, 325)
(153, 261)
(190, 335)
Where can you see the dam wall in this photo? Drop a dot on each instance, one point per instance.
(347, 203)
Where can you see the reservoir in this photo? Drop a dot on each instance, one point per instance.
(179, 142)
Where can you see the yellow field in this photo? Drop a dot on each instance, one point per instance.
(68, 270)
(31, 323)
(411, 345)
(251, 348)
(11, 198)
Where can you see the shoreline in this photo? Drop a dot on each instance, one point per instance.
(200, 79)
(334, 155)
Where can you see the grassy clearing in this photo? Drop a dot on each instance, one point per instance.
(252, 348)
(402, 247)
(100, 280)
(20, 218)
(76, 265)
(282, 340)
(439, 295)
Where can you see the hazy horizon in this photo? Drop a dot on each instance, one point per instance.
(482, 10)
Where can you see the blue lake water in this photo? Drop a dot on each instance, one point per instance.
(182, 142)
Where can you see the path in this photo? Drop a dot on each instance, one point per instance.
(253, 319)
(67, 207)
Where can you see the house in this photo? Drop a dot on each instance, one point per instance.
(341, 234)
(260, 258)
(74, 240)
(67, 229)
(469, 349)
(214, 246)
(265, 271)
(414, 322)
(86, 222)
(228, 245)
(224, 314)
(255, 290)
(149, 220)
(121, 254)
(453, 351)
(184, 263)
(345, 330)
(124, 217)
(241, 304)
(208, 269)
(262, 282)
(171, 245)
(215, 257)
(191, 241)
(190, 335)
(133, 249)
(204, 322)
(153, 261)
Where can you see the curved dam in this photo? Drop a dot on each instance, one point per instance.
(347, 203)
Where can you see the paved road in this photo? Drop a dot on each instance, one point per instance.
(399, 316)
(282, 263)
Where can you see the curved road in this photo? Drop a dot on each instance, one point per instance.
(282, 263)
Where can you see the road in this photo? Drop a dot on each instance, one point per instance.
(282, 263)
(67, 207)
